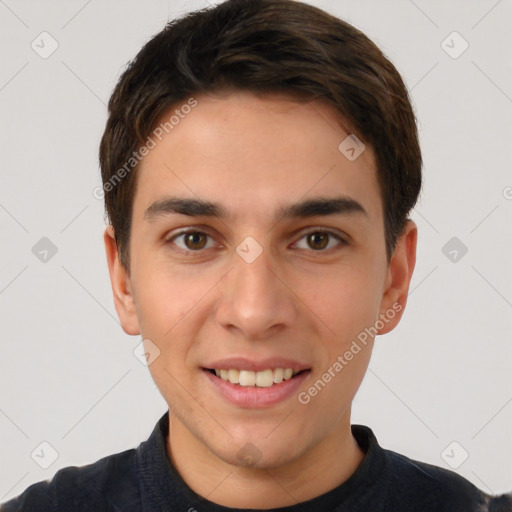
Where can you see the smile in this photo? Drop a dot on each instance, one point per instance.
(260, 379)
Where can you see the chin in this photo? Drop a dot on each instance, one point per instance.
(259, 453)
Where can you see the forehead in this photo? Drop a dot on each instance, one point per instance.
(254, 153)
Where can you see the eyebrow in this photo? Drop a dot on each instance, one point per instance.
(318, 206)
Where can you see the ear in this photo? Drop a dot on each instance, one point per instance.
(398, 278)
(121, 285)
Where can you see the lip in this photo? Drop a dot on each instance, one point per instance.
(242, 363)
(255, 397)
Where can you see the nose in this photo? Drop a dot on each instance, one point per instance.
(255, 299)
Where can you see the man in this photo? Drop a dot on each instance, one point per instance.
(259, 163)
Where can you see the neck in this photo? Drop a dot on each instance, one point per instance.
(320, 469)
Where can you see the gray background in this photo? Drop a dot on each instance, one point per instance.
(68, 375)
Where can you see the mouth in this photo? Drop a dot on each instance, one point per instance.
(249, 383)
(267, 378)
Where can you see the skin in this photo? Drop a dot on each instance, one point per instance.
(252, 155)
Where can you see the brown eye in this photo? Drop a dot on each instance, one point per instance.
(190, 241)
(195, 240)
(318, 241)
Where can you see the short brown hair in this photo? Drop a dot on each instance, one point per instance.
(264, 46)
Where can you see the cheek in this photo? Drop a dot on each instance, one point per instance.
(329, 397)
(163, 297)
(346, 301)
(172, 305)
(346, 306)
(165, 304)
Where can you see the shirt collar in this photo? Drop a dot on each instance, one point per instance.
(162, 489)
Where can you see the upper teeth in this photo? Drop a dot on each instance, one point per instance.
(263, 379)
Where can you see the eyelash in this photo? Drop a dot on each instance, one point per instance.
(342, 241)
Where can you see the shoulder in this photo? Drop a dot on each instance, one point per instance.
(109, 484)
(438, 489)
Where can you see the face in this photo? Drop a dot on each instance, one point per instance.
(257, 248)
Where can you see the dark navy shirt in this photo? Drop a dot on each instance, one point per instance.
(144, 480)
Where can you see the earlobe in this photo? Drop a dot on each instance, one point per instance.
(398, 279)
(121, 285)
